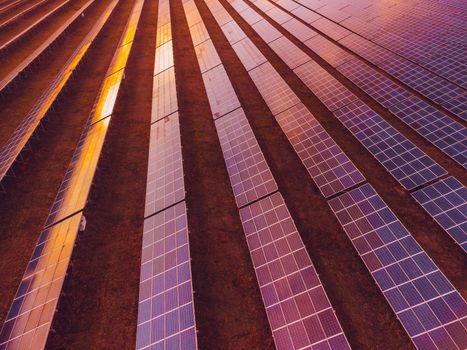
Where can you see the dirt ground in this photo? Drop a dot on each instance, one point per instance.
(98, 309)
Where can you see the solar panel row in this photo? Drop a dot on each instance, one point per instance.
(166, 315)
(31, 313)
(298, 309)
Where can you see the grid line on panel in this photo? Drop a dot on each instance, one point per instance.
(331, 29)
(233, 32)
(296, 304)
(165, 184)
(299, 30)
(207, 56)
(436, 127)
(381, 89)
(328, 89)
(248, 53)
(274, 90)
(446, 202)
(249, 173)
(266, 31)
(289, 52)
(327, 50)
(164, 95)
(425, 302)
(327, 164)
(406, 162)
(164, 57)
(221, 94)
(166, 310)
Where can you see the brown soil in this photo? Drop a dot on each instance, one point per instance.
(6, 15)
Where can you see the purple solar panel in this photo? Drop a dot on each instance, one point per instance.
(328, 89)
(446, 202)
(431, 310)
(458, 106)
(375, 84)
(406, 162)
(275, 91)
(439, 129)
(221, 94)
(298, 309)
(249, 173)
(166, 318)
(327, 164)
(289, 52)
(165, 185)
(331, 29)
(366, 49)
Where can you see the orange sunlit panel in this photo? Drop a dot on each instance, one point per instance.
(106, 102)
(120, 59)
(164, 34)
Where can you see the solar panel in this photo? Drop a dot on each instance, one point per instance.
(166, 318)
(199, 33)
(164, 33)
(165, 185)
(221, 94)
(277, 14)
(457, 106)
(366, 49)
(406, 162)
(207, 56)
(164, 95)
(191, 13)
(331, 29)
(380, 88)
(333, 13)
(248, 53)
(239, 5)
(263, 5)
(365, 29)
(306, 15)
(273, 88)
(446, 202)
(328, 51)
(299, 30)
(289, 52)
(297, 306)
(266, 30)
(251, 16)
(233, 32)
(249, 173)
(327, 164)
(30, 316)
(164, 57)
(329, 90)
(289, 5)
(431, 310)
(446, 134)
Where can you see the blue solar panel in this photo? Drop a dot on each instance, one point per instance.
(446, 202)
(446, 134)
(431, 310)
(406, 162)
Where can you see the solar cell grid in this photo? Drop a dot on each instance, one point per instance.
(297, 306)
(458, 106)
(327, 164)
(425, 302)
(333, 13)
(278, 15)
(330, 52)
(166, 316)
(382, 89)
(266, 31)
(275, 91)
(365, 29)
(238, 5)
(30, 315)
(249, 173)
(251, 16)
(289, 52)
(366, 49)
(164, 57)
(164, 95)
(165, 185)
(264, 5)
(164, 34)
(446, 202)
(329, 90)
(446, 134)
(306, 15)
(221, 94)
(207, 56)
(248, 53)
(233, 32)
(299, 30)
(199, 33)
(331, 29)
(289, 5)
(406, 163)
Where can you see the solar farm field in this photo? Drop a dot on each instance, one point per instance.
(233, 174)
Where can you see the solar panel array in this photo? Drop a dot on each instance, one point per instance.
(299, 312)
(431, 310)
(166, 313)
(10, 152)
(446, 202)
(30, 316)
